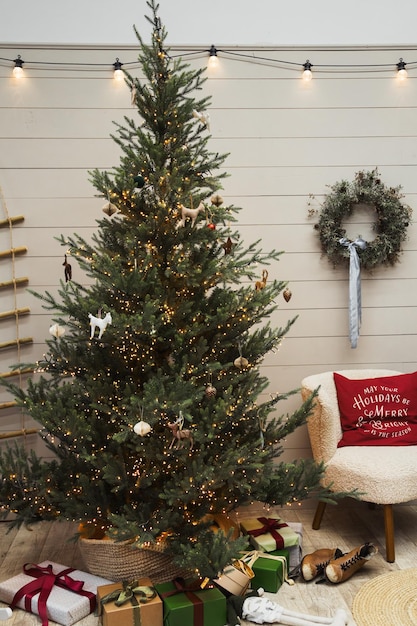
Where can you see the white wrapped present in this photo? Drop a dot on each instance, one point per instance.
(52, 591)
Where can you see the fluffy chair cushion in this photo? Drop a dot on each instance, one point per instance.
(378, 411)
(383, 475)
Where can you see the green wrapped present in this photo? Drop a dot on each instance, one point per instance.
(270, 570)
(185, 603)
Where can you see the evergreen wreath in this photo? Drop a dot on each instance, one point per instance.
(392, 220)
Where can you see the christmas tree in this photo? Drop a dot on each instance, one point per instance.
(150, 399)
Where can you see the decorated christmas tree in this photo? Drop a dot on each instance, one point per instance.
(149, 395)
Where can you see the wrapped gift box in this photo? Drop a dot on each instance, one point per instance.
(270, 570)
(150, 612)
(63, 605)
(200, 607)
(272, 534)
(295, 551)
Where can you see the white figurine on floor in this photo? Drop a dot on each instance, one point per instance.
(254, 608)
(5, 612)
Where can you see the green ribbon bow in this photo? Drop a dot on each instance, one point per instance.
(132, 592)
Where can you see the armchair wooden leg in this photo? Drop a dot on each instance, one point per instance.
(318, 515)
(389, 533)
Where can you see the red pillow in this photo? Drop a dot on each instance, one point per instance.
(378, 411)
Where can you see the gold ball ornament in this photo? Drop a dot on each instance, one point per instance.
(287, 294)
(217, 200)
(210, 391)
(142, 428)
(241, 362)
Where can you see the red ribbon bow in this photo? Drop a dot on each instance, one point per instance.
(181, 587)
(269, 525)
(45, 579)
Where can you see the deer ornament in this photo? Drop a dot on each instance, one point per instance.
(180, 434)
(191, 213)
(100, 323)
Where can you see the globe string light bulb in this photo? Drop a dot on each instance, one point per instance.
(307, 73)
(213, 61)
(118, 72)
(18, 67)
(401, 71)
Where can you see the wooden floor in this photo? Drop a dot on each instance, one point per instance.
(346, 525)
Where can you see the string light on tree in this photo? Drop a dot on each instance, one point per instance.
(174, 308)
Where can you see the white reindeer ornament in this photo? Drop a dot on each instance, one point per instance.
(100, 323)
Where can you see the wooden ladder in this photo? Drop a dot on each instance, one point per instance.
(14, 283)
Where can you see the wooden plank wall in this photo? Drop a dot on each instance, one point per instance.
(288, 141)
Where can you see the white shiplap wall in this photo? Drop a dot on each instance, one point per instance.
(287, 140)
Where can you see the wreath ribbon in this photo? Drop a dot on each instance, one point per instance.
(355, 304)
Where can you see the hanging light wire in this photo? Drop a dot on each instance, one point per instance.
(239, 55)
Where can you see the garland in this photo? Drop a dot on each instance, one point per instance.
(392, 220)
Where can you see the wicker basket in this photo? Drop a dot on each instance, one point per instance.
(123, 561)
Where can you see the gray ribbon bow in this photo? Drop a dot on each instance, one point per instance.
(355, 312)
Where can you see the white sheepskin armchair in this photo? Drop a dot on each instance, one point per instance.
(384, 475)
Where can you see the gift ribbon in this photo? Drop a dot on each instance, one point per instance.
(355, 313)
(253, 555)
(181, 587)
(45, 579)
(128, 593)
(269, 525)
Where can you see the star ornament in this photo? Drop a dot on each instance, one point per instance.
(228, 246)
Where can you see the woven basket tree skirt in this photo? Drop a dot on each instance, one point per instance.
(122, 561)
(388, 600)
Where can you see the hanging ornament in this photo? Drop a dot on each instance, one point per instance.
(241, 362)
(180, 434)
(109, 208)
(139, 181)
(142, 428)
(189, 212)
(228, 246)
(217, 200)
(100, 323)
(287, 294)
(204, 118)
(67, 269)
(261, 284)
(210, 390)
(56, 331)
(210, 223)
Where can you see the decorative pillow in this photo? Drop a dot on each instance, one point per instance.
(378, 411)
